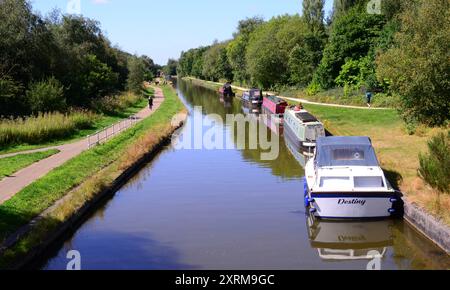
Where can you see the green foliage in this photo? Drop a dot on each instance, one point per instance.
(46, 96)
(98, 79)
(353, 34)
(116, 104)
(270, 47)
(417, 66)
(340, 7)
(9, 92)
(314, 14)
(237, 48)
(435, 166)
(69, 48)
(301, 66)
(357, 74)
(191, 63)
(171, 68)
(215, 63)
(137, 74)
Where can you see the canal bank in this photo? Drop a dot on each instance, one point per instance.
(398, 157)
(113, 163)
(228, 209)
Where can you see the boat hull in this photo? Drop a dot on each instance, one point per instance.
(274, 108)
(353, 205)
(306, 148)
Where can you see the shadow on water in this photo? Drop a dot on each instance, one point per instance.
(138, 251)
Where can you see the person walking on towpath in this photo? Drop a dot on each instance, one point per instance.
(150, 103)
(369, 97)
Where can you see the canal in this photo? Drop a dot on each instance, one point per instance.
(227, 209)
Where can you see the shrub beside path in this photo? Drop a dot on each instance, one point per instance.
(11, 185)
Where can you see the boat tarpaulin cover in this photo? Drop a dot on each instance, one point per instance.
(345, 151)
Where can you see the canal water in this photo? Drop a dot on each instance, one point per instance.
(227, 209)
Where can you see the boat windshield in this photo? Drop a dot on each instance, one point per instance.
(341, 154)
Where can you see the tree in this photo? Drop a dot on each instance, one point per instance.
(353, 35)
(417, 66)
(9, 95)
(97, 78)
(137, 76)
(215, 63)
(341, 7)
(237, 48)
(46, 96)
(171, 68)
(270, 48)
(314, 14)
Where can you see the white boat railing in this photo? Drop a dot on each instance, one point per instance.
(107, 133)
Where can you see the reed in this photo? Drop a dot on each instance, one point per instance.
(44, 127)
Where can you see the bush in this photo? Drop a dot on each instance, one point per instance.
(435, 166)
(44, 127)
(46, 96)
(115, 104)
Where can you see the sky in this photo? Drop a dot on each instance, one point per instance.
(163, 29)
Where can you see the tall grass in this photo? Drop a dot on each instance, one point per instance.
(44, 127)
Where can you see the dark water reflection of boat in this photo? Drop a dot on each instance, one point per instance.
(350, 240)
(296, 151)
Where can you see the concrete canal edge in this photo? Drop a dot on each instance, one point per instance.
(80, 215)
(427, 225)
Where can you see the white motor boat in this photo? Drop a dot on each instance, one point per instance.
(344, 181)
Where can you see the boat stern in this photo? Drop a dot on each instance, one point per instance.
(353, 205)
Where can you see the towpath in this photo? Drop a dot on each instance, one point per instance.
(302, 100)
(11, 185)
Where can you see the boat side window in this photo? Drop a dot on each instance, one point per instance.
(368, 181)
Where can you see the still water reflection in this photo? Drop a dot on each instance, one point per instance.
(227, 209)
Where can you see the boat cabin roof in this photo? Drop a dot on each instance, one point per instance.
(253, 92)
(276, 99)
(346, 151)
(306, 117)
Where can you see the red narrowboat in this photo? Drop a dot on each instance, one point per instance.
(275, 106)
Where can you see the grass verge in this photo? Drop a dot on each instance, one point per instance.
(90, 172)
(13, 164)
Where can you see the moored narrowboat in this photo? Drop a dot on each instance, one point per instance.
(226, 90)
(253, 96)
(275, 106)
(303, 128)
